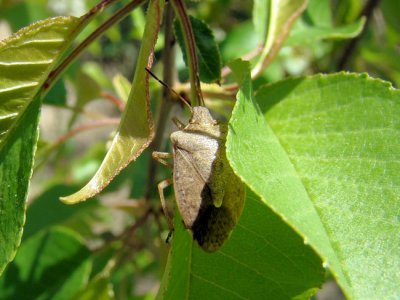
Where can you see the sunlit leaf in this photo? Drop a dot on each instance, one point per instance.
(327, 162)
(136, 128)
(122, 86)
(281, 16)
(260, 17)
(26, 59)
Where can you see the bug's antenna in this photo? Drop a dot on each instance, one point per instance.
(170, 89)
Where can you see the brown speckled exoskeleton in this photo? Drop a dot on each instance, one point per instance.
(210, 197)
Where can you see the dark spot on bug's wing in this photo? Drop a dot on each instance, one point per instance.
(213, 227)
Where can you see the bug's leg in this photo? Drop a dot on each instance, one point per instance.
(160, 157)
(169, 236)
(161, 186)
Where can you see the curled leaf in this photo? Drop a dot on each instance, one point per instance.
(135, 131)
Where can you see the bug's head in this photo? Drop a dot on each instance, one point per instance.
(201, 115)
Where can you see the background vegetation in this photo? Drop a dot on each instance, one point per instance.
(113, 246)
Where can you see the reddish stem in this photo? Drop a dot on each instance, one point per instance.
(85, 127)
(114, 100)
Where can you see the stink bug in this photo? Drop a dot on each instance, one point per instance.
(209, 196)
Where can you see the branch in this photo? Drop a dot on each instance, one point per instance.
(85, 127)
(114, 100)
(190, 45)
(62, 139)
(118, 16)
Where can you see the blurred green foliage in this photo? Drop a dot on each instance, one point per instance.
(101, 224)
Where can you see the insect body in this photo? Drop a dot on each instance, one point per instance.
(210, 197)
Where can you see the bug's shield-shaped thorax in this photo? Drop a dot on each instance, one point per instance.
(209, 196)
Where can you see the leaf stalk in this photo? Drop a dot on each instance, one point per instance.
(118, 16)
(190, 45)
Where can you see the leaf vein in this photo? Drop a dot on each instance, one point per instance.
(218, 286)
(26, 63)
(19, 86)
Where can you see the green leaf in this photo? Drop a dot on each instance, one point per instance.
(207, 50)
(21, 14)
(16, 163)
(55, 212)
(51, 265)
(327, 162)
(96, 72)
(57, 95)
(122, 87)
(98, 289)
(26, 59)
(281, 16)
(309, 34)
(87, 88)
(385, 62)
(239, 41)
(263, 259)
(306, 31)
(389, 10)
(135, 131)
(348, 11)
(260, 17)
(139, 21)
(316, 24)
(318, 12)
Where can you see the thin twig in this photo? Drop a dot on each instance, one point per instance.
(86, 127)
(114, 100)
(62, 139)
(190, 45)
(83, 111)
(97, 8)
(127, 234)
(119, 15)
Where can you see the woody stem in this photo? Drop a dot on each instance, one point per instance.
(190, 45)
